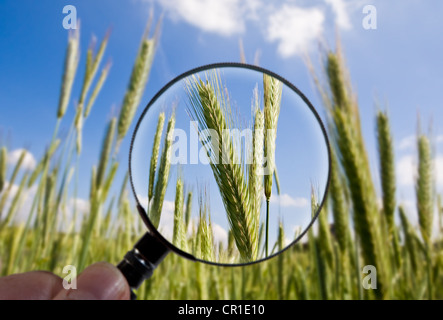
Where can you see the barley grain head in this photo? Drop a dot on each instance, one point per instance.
(70, 69)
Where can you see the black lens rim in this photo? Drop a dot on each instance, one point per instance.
(143, 213)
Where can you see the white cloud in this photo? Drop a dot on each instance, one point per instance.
(28, 163)
(407, 143)
(24, 204)
(220, 234)
(295, 29)
(66, 212)
(285, 200)
(406, 170)
(166, 226)
(410, 142)
(340, 9)
(222, 17)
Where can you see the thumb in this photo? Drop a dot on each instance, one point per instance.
(100, 281)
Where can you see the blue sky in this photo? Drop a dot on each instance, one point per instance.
(399, 63)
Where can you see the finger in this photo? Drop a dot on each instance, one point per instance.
(34, 285)
(100, 281)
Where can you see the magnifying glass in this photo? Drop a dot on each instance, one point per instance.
(224, 160)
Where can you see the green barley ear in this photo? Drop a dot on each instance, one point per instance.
(78, 124)
(92, 64)
(47, 156)
(3, 167)
(387, 168)
(409, 236)
(440, 212)
(11, 181)
(155, 153)
(97, 89)
(188, 210)
(137, 83)
(179, 233)
(106, 151)
(255, 169)
(346, 133)
(339, 205)
(208, 107)
(424, 188)
(70, 69)
(205, 233)
(324, 237)
(272, 99)
(162, 175)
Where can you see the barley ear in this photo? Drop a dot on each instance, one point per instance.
(255, 170)
(208, 106)
(272, 99)
(345, 125)
(136, 87)
(387, 168)
(272, 89)
(70, 69)
(155, 153)
(188, 210)
(424, 188)
(179, 232)
(78, 123)
(92, 64)
(3, 167)
(97, 89)
(339, 204)
(205, 233)
(106, 151)
(162, 175)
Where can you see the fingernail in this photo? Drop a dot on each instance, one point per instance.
(100, 281)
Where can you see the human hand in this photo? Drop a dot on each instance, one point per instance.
(100, 281)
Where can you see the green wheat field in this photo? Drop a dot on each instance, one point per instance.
(357, 226)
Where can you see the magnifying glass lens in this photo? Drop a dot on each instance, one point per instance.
(230, 163)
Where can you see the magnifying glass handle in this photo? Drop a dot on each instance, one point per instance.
(140, 262)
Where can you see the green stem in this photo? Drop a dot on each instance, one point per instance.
(267, 226)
